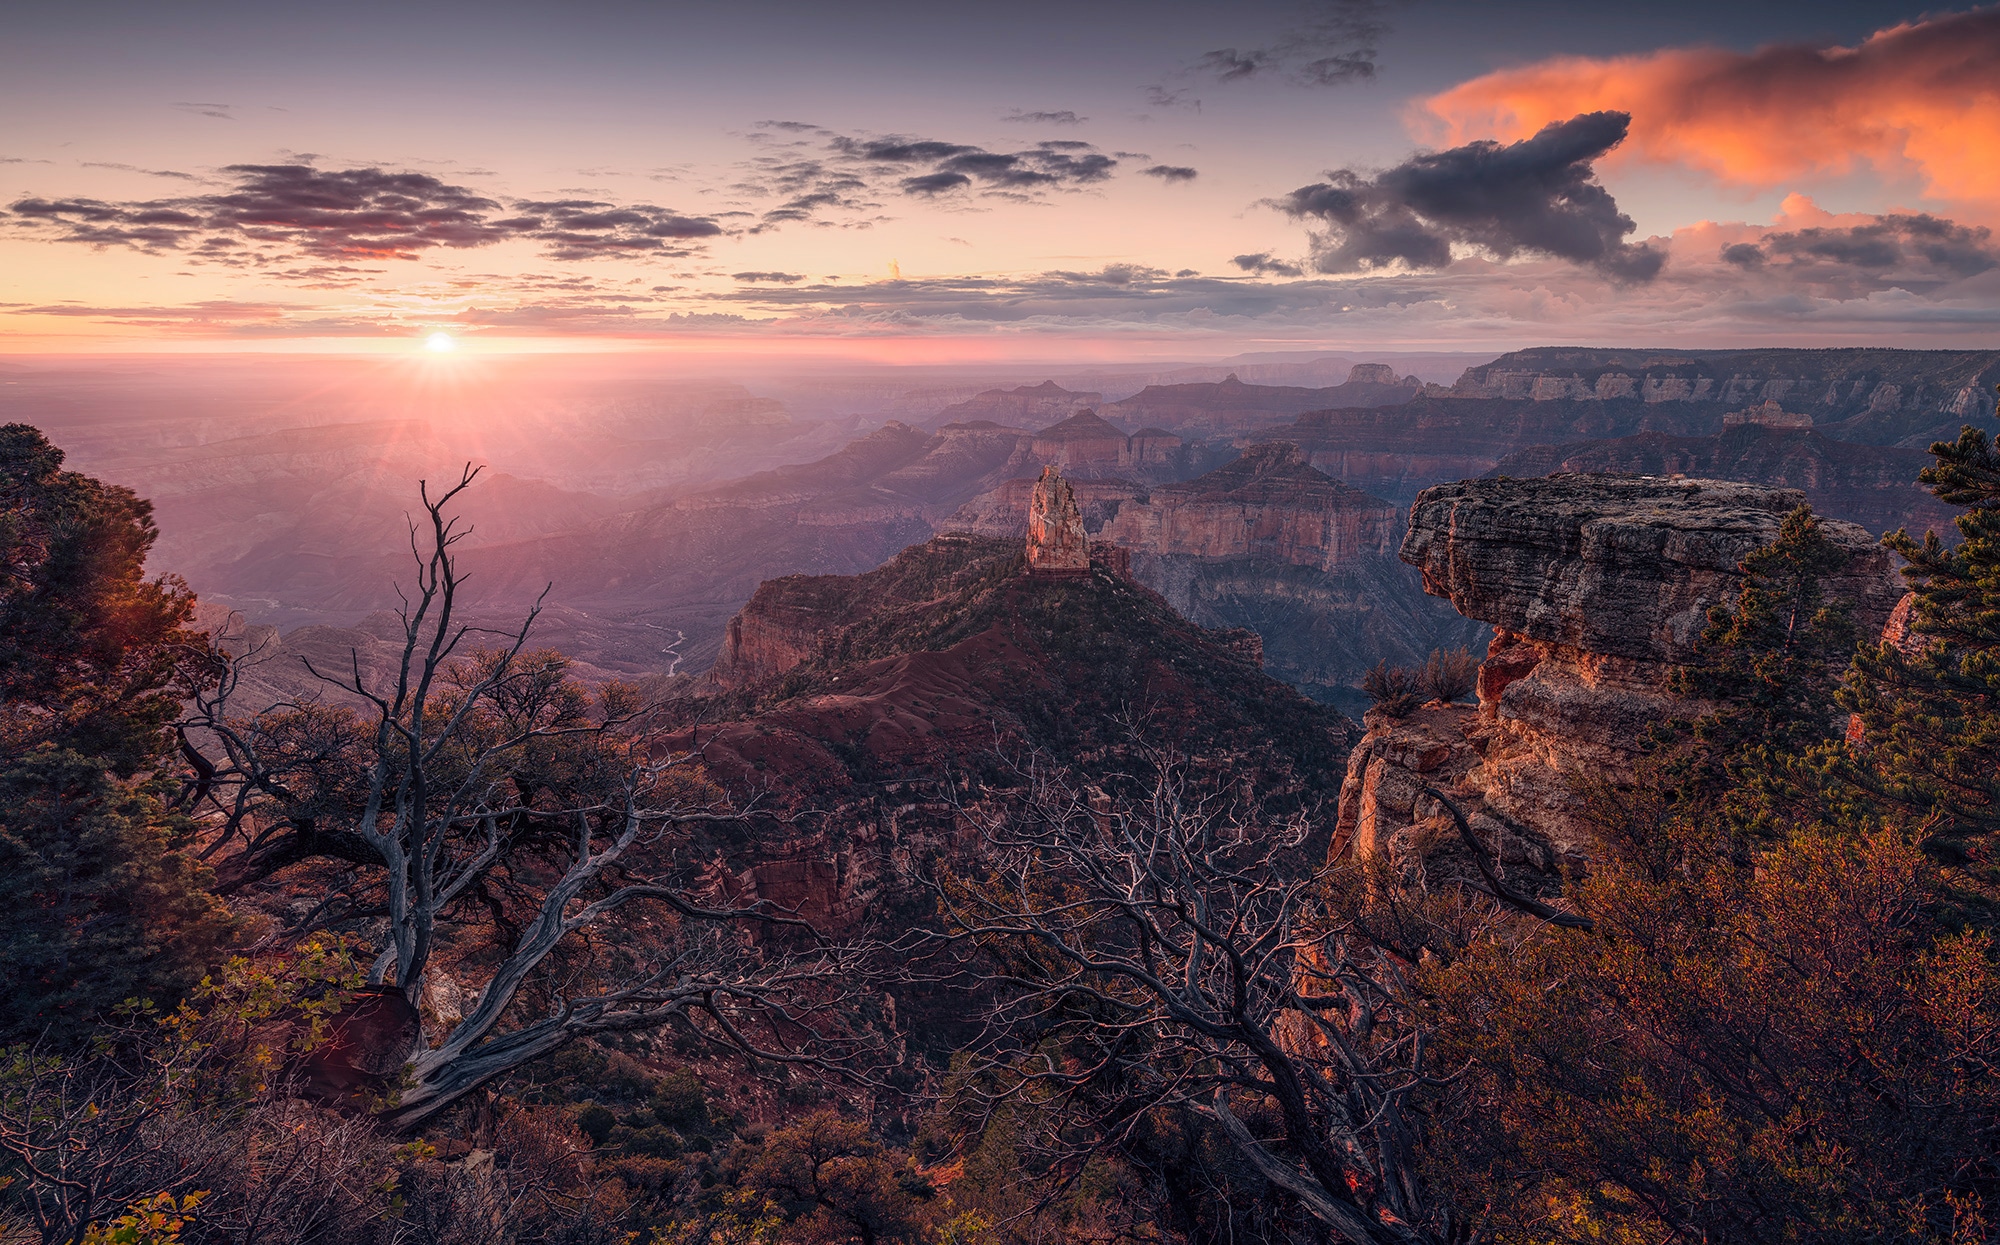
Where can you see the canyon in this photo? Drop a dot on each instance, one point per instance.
(875, 719)
(656, 509)
(1270, 545)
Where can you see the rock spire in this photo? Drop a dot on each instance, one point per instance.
(1057, 544)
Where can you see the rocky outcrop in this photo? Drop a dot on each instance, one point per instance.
(1598, 588)
(880, 752)
(1057, 543)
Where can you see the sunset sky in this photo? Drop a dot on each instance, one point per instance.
(1075, 180)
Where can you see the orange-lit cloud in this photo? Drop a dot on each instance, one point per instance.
(1918, 99)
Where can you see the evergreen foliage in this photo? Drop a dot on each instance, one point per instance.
(97, 900)
(1928, 711)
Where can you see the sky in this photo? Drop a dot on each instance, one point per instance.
(952, 182)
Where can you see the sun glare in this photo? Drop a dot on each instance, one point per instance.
(440, 343)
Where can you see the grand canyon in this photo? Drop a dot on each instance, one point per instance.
(1364, 621)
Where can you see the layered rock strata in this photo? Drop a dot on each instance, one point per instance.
(1269, 544)
(1268, 504)
(1057, 544)
(1598, 588)
(1873, 485)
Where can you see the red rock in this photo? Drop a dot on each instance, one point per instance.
(1056, 540)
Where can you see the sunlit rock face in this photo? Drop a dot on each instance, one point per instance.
(1598, 588)
(1057, 543)
(1267, 504)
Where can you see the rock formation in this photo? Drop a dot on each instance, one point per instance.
(1057, 543)
(1874, 391)
(1269, 544)
(1267, 504)
(1598, 587)
(922, 679)
(1230, 407)
(1028, 406)
(1083, 444)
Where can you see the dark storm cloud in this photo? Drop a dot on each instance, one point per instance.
(1539, 196)
(1171, 172)
(1263, 265)
(1915, 245)
(279, 211)
(1060, 117)
(1335, 44)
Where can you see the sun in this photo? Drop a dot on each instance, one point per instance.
(440, 343)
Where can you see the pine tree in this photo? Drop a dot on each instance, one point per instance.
(1929, 710)
(97, 902)
(1770, 665)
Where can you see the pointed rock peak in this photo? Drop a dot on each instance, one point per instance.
(1057, 543)
(1231, 379)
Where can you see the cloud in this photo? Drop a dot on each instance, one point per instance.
(1263, 265)
(1061, 117)
(1539, 196)
(935, 183)
(133, 168)
(1921, 97)
(1819, 284)
(1335, 44)
(821, 177)
(782, 278)
(279, 212)
(1171, 172)
(222, 112)
(1809, 248)
(1046, 164)
(1178, 97)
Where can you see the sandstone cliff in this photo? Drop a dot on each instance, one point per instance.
(1876, 396)
(1269, 504)
(1598, 588)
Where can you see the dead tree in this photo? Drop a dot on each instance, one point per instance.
(480, 801)
(1163, 950)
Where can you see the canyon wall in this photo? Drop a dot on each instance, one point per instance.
(1271, 545)
(1834, 386)
(1268, 504)
(1872, 485)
